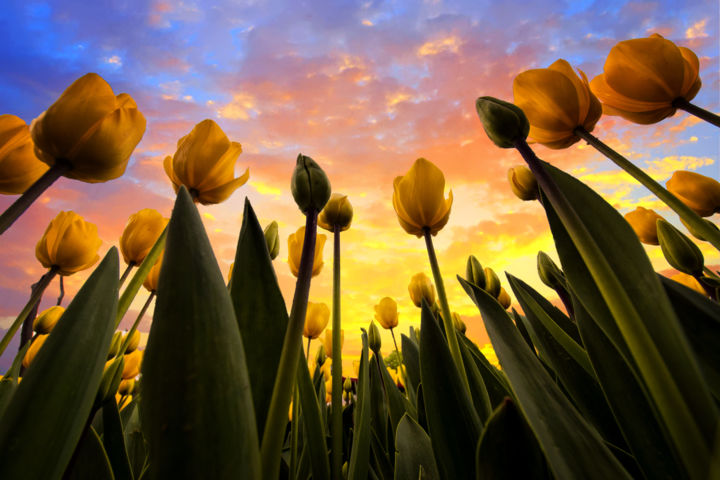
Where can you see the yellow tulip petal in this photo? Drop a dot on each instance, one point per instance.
(198, 151)
(548, 99)
(222, 192)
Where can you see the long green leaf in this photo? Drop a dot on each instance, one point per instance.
(51, 405)
(478, 391)
(397, 403)
(90, 460)
(495, 384)
(360, 454)
(414, 452)
(195, 389)
(313, 429)
(411, 360)
(114, 441)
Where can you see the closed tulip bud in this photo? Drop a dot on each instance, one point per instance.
(700, 193)
(134, 341)
(338, 212)
(474, 272)
(374, 340)
(205, 163)
(151, 281)
(19, 167)
(91, 129)
(316, 319)
(115, 345)
(347, 385)
(328, 341)
(328, 388)
(111, 378)
(386, 313)
(644, 222)
(421, 287)
(310, 186)
(45, 322)
(504, 123)
(556, 102)
(523, 183)
(69, 244)
(126, 387)
(492, 282)
(679, 251)
(549, 272)
(695, 233)
(419, 199)
(33, 350)
(272, 239)
(140, 234)
(504, 298)
(295, 245)
(458, 323)
(320, 356)
(133, 361)
(642, 78)
(690, 282)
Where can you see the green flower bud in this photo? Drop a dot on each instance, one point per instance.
(272, 239)
(115, 344)
(347, 385)
(549, 272)
(679, 251)
(492, 282)
(309, 185)
(458, 323)
(320, 356)
(503, 122)
(111, 378)
(374, 340)
(474, 272)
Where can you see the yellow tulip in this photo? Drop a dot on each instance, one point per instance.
(386, 312)
(644, 222)
(337, 212)
(700, 193)
(69, 244)
(140, 234)
(19, 167)
(133, 360)
(421, 287)
(556, 101)
(523, 183)
(327, 341)
(643, 76)
(205, 163)
(295, 246)
(126, 387)
(458, 323)
(504, 298)
(90, 128)
(33, 350)
(316, 319)
(419, 201)
(151, 281)
(45, 322)
(689, 281)
(134, 341)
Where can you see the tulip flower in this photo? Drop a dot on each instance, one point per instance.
(475, 272)
(421, 287)
(126, 387)
(700, 193)
(151, 281)
(316, 319)
(643, 77)
(19, 167)
(309, 185)
(295, 246)
(644, 222)
(272, 240)
(205, 163)
(689, 281)
(386, 312)
(338, 212)
(45, 322)
(556, 101)
(523, 183)
(131, 369)
(140, 234)
(458, 323)
(504, 123)
(374, 340)
(33, 350)
(492, 282)
(327, 341)
(504, 298)
(133, 342)
(419, 201)
(69, 244)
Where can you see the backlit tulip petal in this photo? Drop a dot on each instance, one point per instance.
(421, 287)
(19, 167)
(644, 222)
(295, 246)
(697, 191)
(419, 201)
(151, 281)
(316, 319)
(337, 211)
(689, 281)
(70, 244)
(140, 234)
(46, 320)
(386, 313)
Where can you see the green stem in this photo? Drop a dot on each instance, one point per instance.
(709, 117)
(307, 351)
(698, 225)
(446, 315)
(294, 432)
(276, 421)
(134, 327)
(14, 211)
(336, 367)
(125, 274)
(34, 299)
(62, 291)
(397, 350)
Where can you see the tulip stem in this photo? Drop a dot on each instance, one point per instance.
(135, 325)
(14, 211)
(711, 234)
(399, 356)
(336, 367)
(35, 297)
(692, 109)
(276, 421)
(125, 274)
(62, 291)
(446, 316)
(307, 351)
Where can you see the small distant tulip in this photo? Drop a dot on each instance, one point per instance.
(504, 298)
(338, 212)
(91, 129)
(556, 101)
(115, 345)
(503, 122)
(126, 386)
(309, 185)
(644, 222)
(347, 385)
(134, 341)
(523, 183)
(549, 273)
(132, 364)
(327, 342)
(19, 167)
(374, 340)
(386, 313)
(33, 350)
(151, 281)
(689, 281)
(679, 251)
(492, 282)
(140, 234)
(419, 199)
(205, 163)
(458, 323)
(272, 239)
(474, 272)
(643, 76)
(69, 244)
(320, 356)
(295, 245)
(45, 322)
(700, 193)
(421, 287)
(316, 319)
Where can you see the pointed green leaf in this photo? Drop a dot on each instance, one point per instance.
(397, 403)
(90, 460)
(480, 396)
(313, 429)
(114, 441)
(360, 454)
(379, 409)
(413, 452)
(495, 384)
(411, 359)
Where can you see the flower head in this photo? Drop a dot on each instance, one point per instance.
(337, 212)
(151, 281)
(69, 244)
(700, 193)
(19, 167)
(45, 322)
(327, 342)
(386, 313)
(421, 287)
(133, 360)
(644, 222)
(295, 245)
(90, 128)
(316, 319)
(689, 281)
(556, 101)
(419, 201)
(33, 350)
(643, 76)
(140, 234)
(205, 163)
(523, 183)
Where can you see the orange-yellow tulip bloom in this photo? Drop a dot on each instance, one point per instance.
(134, 341)
(337, 212)
(504, 298)
(151, 281)
(316, 319)
(19, 167)
(45, 322)
(295, 245)
(419, 199)
(643, 76)
(689, 281)
(386, 313)
(69, 244)
(133, 360)
(140, 234)
(644, 222)
(556, 101)
(35, 347)
(91, 128)
(523, 183)
(327, 342)
(421, 287)
(700, 193)
(205, 163)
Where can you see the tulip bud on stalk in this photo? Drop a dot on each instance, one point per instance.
(374, 340)
(644, 222)
(474, 272)
(679, 251)
(272, 239)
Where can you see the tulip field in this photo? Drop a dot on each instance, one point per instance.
(615, 375)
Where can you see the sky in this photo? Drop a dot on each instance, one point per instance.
(364, 88)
